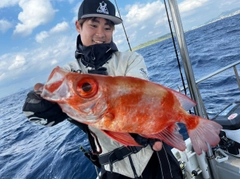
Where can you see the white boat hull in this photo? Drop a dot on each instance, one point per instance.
(196, 166)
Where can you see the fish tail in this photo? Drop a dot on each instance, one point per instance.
(202, 131)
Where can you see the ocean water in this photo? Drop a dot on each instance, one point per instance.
(29, 151)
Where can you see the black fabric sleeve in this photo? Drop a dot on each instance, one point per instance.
(41, 111)
(142, 140)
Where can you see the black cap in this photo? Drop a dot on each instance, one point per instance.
(98, 8)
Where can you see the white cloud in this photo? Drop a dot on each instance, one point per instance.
(139, 20)
(54, 62)
(141, 12)
(189, 5)
(60, 27)
(54, 51)
(41, 36)
(16, 67)
(3, 64)
(18, 63)
(75, 11)
(142, 22)
(2, 76)
(35, 13)
(5, 25)
(7, 3)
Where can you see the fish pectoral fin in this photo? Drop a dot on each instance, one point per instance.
(170, 136)
(124, 138)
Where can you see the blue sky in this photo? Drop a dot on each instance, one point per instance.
(38, 35)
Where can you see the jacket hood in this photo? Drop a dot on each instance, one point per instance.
(94, 56)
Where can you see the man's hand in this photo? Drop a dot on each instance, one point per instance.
(157, 146)
(41, 111)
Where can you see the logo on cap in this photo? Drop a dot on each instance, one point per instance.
(102, 8)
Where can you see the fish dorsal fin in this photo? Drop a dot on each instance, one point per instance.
(186, 102)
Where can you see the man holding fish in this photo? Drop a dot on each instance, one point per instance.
(106, 93)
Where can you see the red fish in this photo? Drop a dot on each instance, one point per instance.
(121, 105)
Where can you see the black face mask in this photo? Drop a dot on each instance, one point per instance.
(94, 56)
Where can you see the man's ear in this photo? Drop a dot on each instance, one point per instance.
(78, 27)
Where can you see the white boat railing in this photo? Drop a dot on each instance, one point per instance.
(233, 65)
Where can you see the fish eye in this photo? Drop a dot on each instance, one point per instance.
(87, 87)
